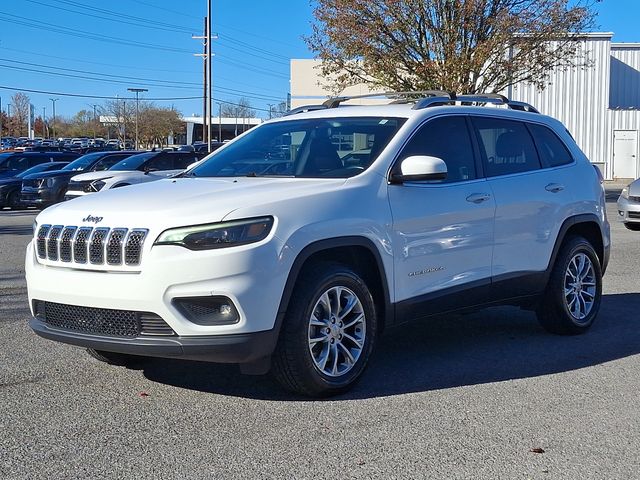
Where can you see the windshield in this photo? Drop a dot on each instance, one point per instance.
(133, 162)
(83, 162)
(3, 159)
(320, 148)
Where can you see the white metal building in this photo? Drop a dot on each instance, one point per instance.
(599, 104)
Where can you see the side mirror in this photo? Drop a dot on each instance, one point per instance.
(420, 168)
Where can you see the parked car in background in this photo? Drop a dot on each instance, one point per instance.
(44, 189)
(141, 168)
(10, 186)
(12, 163)
(200, 147)
(629, 206)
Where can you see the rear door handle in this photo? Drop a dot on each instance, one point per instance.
(478, 197)
(554, 187)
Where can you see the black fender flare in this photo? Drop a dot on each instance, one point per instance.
(328, 244)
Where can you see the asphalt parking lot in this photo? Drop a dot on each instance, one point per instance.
(459, 397)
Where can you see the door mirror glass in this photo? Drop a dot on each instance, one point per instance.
(420, 168)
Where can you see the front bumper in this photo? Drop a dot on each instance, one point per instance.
(252, 277)
(628, 210)
(238, 348)
(33, 197)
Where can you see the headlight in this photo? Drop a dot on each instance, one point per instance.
(218, 235)
(625, 192)
(95, 186)
(50, 182)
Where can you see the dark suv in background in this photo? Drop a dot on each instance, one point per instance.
(44, 189)
(10, 186)
(12, 163)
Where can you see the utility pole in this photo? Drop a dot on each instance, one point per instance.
(44, 122)
(0, 122)
(219, 121)
(270, 105)
(205, 70)
(53, 121)
(137, 91)
(94, 122)
(209, 76)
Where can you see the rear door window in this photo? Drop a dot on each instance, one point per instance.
(506, 146)
(551, 149)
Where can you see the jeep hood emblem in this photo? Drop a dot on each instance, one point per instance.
(91, 218)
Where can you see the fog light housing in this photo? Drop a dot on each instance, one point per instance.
(208, 311)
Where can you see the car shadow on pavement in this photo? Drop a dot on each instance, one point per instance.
(498, 344)
(16, 230)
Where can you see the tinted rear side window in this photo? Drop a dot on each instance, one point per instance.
(506, 146)
(553, 152)
(448, 139)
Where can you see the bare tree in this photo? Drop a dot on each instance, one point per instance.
(156, 124)
(239, 109)
(21, 105)
(465, 46)
(121, 117)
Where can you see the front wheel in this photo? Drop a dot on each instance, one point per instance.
(328, 334)
(572, 299)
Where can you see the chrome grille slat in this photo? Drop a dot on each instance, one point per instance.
(41, 240)
(90, 245)
(115, 245)
(52, 242)
(66, 243)
(133, 246)
(97, 245)
(80, 244)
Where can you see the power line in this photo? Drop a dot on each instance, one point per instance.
(82, 34)
(126, 80)
(120, 18)
(102, 97)
(83, 61)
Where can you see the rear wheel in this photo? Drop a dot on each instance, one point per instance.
(328, 334)
(572, 299)
(114, 358)
(632, 226)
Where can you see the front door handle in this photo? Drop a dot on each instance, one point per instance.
(554, 187)
(478, 197)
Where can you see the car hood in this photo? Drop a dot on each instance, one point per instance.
(51, 174)
(182, 201)
(90, 176)
(634, 188)
(7, 180)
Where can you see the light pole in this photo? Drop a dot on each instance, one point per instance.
(94, 122)
(137, 92)
(53, 120)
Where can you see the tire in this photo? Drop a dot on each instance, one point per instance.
(572, 311)
(632, 226)
(13, 199)
(334, 364)
(118, 359)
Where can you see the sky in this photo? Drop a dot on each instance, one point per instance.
(97, 48)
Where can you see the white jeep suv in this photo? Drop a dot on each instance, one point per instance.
(283, 251)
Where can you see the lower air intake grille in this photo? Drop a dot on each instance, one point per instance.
(634, 214)
(101, 321)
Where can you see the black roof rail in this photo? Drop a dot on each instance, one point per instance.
(493, 98)
(401, 97)
(525, 107)
(305, 108)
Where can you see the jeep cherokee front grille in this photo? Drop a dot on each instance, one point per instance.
(101, 321)
(95, 246)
